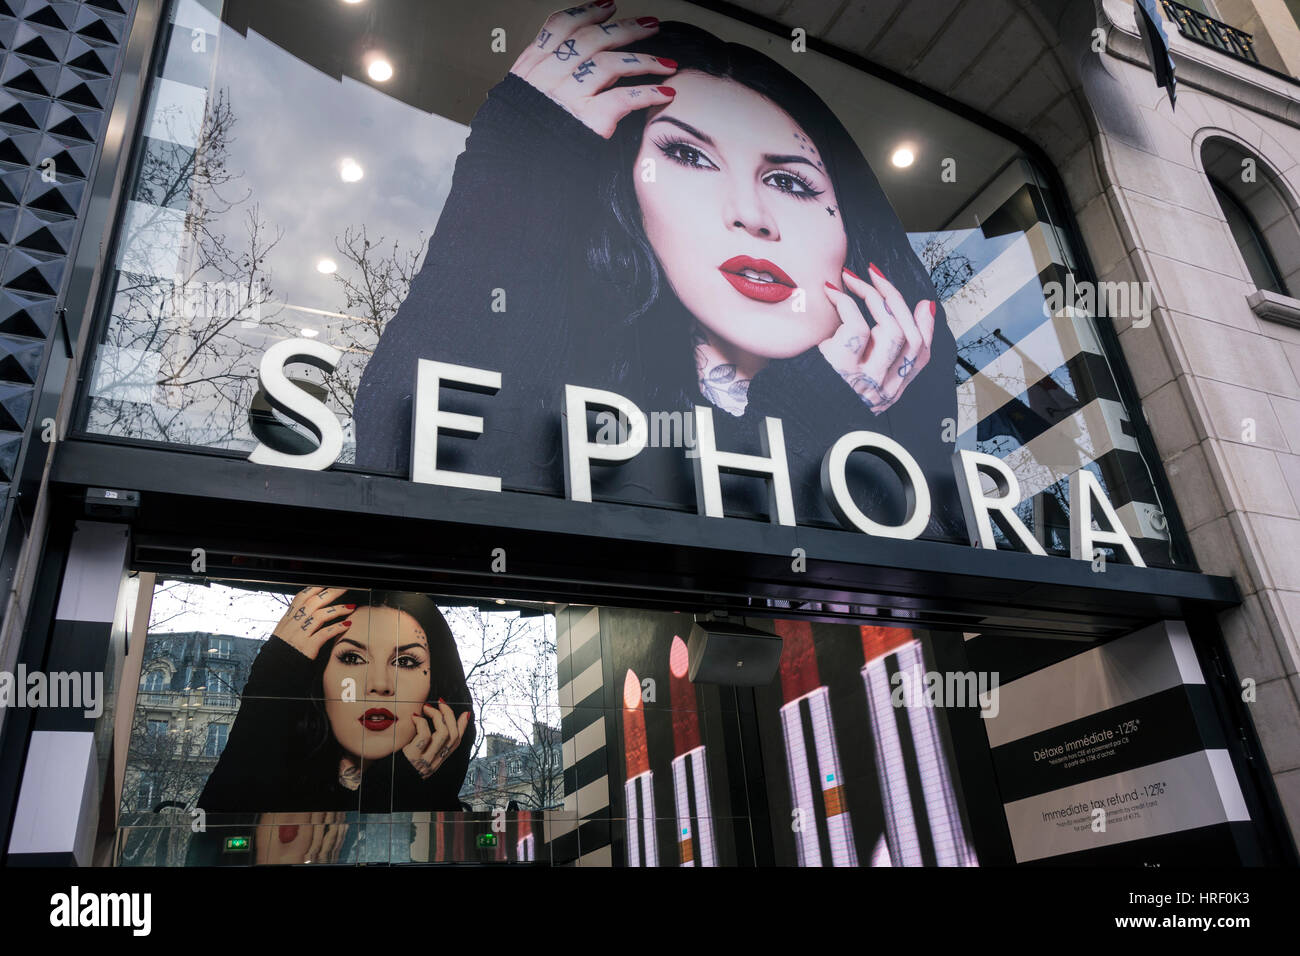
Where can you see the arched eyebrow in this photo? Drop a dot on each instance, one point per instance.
(785, 159)
(407, 647)
(773, 159)
(708, 141)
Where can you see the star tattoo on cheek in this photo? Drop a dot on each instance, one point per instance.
(830, 210)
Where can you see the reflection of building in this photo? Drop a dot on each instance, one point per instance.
(189, 695)
(530, 775)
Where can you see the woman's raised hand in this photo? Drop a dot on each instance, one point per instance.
(313, 619)
(571, 61)
(878, 363)
(432, 746)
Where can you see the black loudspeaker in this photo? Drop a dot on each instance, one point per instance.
(722, 652)
(112, 503)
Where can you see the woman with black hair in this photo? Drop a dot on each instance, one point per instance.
(720, 241)
(357, 702)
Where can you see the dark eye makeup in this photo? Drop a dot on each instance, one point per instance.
(692, 157)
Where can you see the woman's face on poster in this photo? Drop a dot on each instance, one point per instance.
(385, 655)
(741, 213)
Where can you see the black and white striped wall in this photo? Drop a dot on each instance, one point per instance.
(69, 754)
(1036, 390)
(581, 834)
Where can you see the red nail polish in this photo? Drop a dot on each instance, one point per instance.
(666, 90)
(347, 623)
(441, 700)
(832, 285)
(934, 308)
(604, 3)
(664, 61)
(852, 273)
(288, 833)
(647, 22)
(871, 267)
(350, 607)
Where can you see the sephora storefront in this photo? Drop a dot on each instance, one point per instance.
(617, 438)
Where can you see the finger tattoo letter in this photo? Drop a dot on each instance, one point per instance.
(584, 70)
(566, 50)
(905, 369)
(543, 38)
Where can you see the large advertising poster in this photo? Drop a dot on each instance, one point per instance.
(647, 209)
(334, 725)
(394, 242)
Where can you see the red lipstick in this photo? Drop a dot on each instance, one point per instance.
(757, 279)
(378, 718)
(638, 788)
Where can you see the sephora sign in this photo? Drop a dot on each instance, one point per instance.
(981, 508)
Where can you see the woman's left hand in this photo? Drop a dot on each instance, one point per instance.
(430, 748)
(878, 363)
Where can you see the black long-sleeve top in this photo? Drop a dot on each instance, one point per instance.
(522, 190)
(266, 764)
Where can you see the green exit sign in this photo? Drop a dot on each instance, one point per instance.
(487, 839)
(237, 844)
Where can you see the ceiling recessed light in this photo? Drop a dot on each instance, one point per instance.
(350, 170)
(351, 1)
(327, 267)
(379, 70)
(501, 600)
(903, 157)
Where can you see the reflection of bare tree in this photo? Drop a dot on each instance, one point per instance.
(179, 362)
(372, 292)
(487, 643)
(951, 272)
(530, 774)
(510, 667)
(190, 682)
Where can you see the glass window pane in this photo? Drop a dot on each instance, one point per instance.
(283, 193)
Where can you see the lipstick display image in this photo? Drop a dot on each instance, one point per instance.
(824, 836)
(922, 820)
(526, 842)
(695, 840)
(638, 789)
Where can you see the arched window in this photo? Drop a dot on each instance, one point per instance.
(1250, 242)
(1260, 213)
(155, 682)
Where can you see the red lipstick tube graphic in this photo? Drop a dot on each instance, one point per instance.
(695, 841)
(823, 835)
(638, 790)
(526, 844)
(921, 828)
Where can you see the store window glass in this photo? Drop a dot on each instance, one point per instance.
(361, 727)
(579, 738)
(374, 183)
